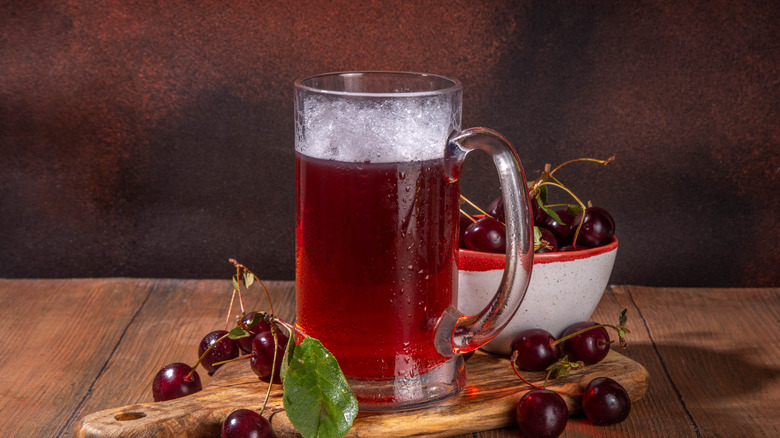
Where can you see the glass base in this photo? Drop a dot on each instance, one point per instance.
(436, 385)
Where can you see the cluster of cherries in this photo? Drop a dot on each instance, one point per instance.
(593, 227)
(563, 227)
(216, 348)
(542, 412)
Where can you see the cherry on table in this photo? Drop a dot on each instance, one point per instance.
(541, 413)
(605, 402)
(262, 361)
(589, 347)
(535, 350)
(246, 423)
(246, 343)
(174, 381)
(223, 350)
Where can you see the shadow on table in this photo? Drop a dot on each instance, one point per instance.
(709, 382)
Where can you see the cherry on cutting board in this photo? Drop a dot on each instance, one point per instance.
(174, 381)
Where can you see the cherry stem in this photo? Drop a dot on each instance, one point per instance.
(235, 359)
(604, 162)
(563, 187)
(512, 360)
(467, 215)
(291, 328)
(273, 368)
(200, 359)
(230, 309)
(466, 200)
(577, 333)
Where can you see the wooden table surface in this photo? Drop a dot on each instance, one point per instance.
(76, 346)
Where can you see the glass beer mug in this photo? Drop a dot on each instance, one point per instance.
(378, 156)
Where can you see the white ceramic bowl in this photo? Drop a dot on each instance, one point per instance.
(565, 288)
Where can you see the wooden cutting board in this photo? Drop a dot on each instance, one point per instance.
(488, 402)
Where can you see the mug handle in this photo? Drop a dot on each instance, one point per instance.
(457, 333)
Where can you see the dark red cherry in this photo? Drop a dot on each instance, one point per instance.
(535, 350)
(561, 229)
(541, 413)
(597, 229)
(568, 248)
(486, 235)
(172, 382)
(245, 423)
(589, 347)
(464, 223)
(246, 343)
(538, 213)
(496, 209)
(548, 241)
(605, 402)
(225, 349)
(263, 355)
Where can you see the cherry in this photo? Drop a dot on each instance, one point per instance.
(550, 243)
(597, 229)
(589, 347)
(541, 413)
(605, 402)
(262, 361)
(535, 350)
(222, 350)
(174, 381)
(464, 223)
(246, 423)
(561, 229)
(246, 343)
(572, 248)
(487, 235)
(539, 215)
(496, 209)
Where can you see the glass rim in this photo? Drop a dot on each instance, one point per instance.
(454, 85)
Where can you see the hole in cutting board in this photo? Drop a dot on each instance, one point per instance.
(127, 416)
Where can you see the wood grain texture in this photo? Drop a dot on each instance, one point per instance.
(488, 402)
(57, 338)
(75, 347)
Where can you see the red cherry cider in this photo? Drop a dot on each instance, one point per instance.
(376, 261)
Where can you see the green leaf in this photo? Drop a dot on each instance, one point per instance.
(552, 214)
(248, 279)
(288, 354)
(542, 198)
(317, 398)
(574, 209)
(623, 318)
(256, 318)
(238, 332)
(235, 282)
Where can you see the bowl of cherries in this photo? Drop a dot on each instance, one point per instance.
(575, 249)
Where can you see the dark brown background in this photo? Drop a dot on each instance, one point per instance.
(155, 138)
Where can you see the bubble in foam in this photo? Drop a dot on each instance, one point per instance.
(379, 131)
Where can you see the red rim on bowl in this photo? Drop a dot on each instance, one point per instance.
(469, 260)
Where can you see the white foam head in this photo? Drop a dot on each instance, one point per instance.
(375, 130)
